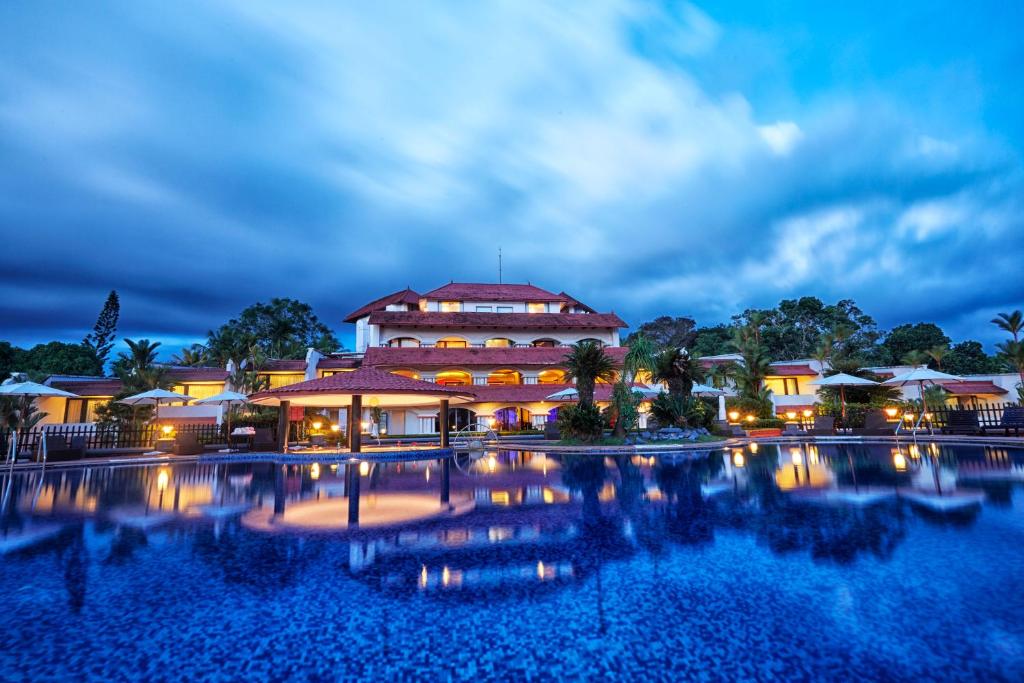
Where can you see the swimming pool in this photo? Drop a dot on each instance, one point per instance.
(724, 564)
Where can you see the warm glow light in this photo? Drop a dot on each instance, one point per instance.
(492, 463)
(796, 456)
(734, 415)
(423, 576)
(909, 417)
(540, 570)
(737, 459)
(753, 447)
(335, 428)
(914, 453)
(374, 402)
(365, 425)
(808, 413)
(364, 468)
(891, 412)
(314, 471)
(491, 422)
(899, 461)
(750, 418)
(167, 429)
(446, 576)
(317, 425)
(790, 414)
(163, 477)
(928, 417)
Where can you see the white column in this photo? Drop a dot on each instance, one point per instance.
(721, 409)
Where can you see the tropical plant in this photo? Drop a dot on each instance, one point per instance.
(935, 396)
(915, 357)
(580, 422)
(138, 371)
(586, 363)
(1010, 322)
(101, 340)
(938, 354)
(678, 370)
(682, 411)
(749, 376)
(193, 355)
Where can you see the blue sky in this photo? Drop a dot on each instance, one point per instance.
(651, 158)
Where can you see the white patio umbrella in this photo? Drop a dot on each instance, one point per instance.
(567, 394)
(920, 376)
(705, 390)
(843, 380)
(227, 399)
(32, 390)
(154, 397)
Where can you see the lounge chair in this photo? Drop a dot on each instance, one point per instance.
(187, 443)
(263, 440)
(824, 425)
(1013, 418)
(792, 430)
(962, 422)
(875, 424)
(58, 450)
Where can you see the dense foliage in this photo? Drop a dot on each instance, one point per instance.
(580, 422)
(283, 328)
(53, 358)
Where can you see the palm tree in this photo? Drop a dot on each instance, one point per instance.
(139, 369)
(750, 374)
(1010, 322)
(679, 370)
(937, 353)
(587, 363)
(916, 357)
(190, 356)
(639, 357)
(1013, 352)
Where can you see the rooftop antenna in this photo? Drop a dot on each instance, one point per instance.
(499, 265)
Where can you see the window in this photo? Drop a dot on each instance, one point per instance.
(499, 343)
(484, 309)
(551, 377)
(406, 342)
(282, 379)
(454, 378)
(783, 386)
(591, 339)
(199, 390)
(405, 373)
(503, 377)
(537, 308)
(549, 343)
(452, 343)
(451, 306)
(504, 309)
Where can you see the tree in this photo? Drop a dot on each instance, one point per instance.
(969, 358)
(677, 369)
(749, 375)
(639, 358)
(138, 371)
(938, 354)
(667, 331)
(283, 328)
(712, 341)
(1010, 322)
(587, 363)
(915, 357)
(57, 358)
(101, 340)
(795, 328)
(903, 339)
(191, 356)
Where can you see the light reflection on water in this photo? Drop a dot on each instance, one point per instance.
(516, 528)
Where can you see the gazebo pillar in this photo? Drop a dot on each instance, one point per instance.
(446, 462)
(283, 425)
(352, 476)
(355, 424)
(442, 423)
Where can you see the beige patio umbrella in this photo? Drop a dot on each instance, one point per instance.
(921, 376)
(31, 390)
(228, 399)
(155, 397)
(843, 380)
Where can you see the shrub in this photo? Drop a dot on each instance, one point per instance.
(765, 423)
(580, 421)
(749, 406)
(678, 411)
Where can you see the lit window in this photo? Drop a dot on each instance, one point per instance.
(549, 343)
(503, 377)
(537, 308)
(451, 306)
(452, 343)
(499, 343)
(551, 377)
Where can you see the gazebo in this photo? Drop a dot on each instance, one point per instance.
(348, 389)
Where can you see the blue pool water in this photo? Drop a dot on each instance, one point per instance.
(724, 566)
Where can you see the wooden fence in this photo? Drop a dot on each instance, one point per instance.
(990, 415)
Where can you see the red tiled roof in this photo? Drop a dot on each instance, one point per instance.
(90, 387)
(974, 388)
(491, 357)
(469, 291)
(362, 381)
(330, 363)
(405, 296)
(196, 374)
(280, 365)
(791, 370)
(531, 393)
(520, 321)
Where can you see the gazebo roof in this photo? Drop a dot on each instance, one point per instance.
(337, 390)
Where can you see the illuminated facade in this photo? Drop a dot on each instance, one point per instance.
(505, 341)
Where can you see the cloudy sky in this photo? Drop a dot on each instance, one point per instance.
(646, 157)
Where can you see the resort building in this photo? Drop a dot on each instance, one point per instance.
(504, 341)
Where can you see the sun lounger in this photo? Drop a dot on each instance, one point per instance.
(187, 443)
(263, 440)
(962, 422)
(58, 450)
(875, 424)
(824, 425)
(1013, 418)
